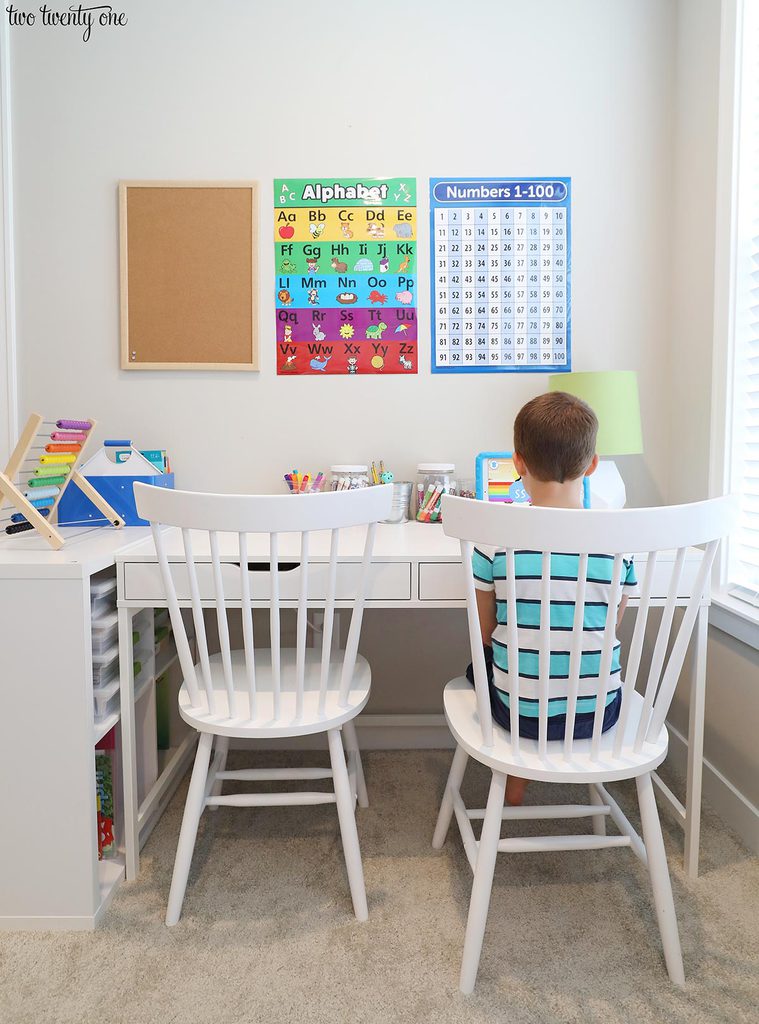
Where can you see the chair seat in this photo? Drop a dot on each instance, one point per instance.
(463, 721)
(264, 725)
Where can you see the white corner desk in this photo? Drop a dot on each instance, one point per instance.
(50, 876)
(414, 566)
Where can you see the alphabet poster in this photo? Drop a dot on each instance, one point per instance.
(345, 273)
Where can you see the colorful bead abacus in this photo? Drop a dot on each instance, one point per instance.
(33, 483)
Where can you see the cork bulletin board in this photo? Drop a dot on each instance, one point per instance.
(189, 280)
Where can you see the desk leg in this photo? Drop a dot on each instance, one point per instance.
(128, 742)
(317, 618)
(696, 744)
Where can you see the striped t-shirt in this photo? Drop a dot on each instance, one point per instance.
(489, 566)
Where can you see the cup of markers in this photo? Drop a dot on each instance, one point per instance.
(304, 483)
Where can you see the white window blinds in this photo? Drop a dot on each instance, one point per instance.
(743, 549)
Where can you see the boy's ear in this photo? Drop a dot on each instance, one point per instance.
(592, 467)
(518, 461)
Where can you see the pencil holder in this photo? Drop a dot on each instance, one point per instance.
(401, 497)
(304, 483)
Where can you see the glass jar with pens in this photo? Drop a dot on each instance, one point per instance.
(348, 477)
(433, 480)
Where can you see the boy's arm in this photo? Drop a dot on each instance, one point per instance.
(487, 614)
(630, 588)
(482, 567)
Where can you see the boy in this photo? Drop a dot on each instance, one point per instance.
(554, 448)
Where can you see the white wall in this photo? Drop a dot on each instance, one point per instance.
(236, 90)
(8, 369)
(694, 183)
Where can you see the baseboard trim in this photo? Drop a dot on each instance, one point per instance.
(48, 924)
(401, 732)
(725, 799)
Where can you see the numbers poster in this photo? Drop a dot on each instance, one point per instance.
(500, 267)
(345, 274)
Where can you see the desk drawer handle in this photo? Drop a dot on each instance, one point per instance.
(266, 566)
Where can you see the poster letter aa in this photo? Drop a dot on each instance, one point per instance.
(345, 274)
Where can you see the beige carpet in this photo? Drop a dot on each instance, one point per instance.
(268, 935)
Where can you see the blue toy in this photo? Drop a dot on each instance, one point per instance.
(498, 480)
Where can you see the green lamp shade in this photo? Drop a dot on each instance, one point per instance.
(613, 396)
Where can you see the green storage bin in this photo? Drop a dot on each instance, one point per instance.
(163, 711)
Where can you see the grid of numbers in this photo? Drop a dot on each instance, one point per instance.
(501, 287)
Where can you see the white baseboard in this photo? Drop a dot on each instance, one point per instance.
(47, 924)
(403, 732)
(727, 802)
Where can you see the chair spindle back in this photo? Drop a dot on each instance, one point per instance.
(215, 529)
(616, 533)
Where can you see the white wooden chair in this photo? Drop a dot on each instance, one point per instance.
(266, 693)
(631, 749)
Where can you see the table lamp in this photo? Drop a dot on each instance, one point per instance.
(613, 396)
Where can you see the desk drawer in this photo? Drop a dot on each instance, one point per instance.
(441, 581)
(388, 581)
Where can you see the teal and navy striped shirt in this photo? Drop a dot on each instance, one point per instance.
(489, 566)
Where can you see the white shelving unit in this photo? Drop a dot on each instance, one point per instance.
(50, 875)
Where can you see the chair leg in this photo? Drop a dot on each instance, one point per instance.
(455, 778)
(660, 881)
(222, 747)
(347, 817)
(483, 883)
(599, 820)
(351, 744)
(193, 809)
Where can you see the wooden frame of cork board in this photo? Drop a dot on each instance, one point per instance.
(189, 275)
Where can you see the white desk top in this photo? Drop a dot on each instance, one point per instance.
(86, 551)
(93, 549)
(411, 541)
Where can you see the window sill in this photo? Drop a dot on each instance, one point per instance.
(734, 617)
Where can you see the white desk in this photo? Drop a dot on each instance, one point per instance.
(415, 566)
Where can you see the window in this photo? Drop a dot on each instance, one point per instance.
(741, 568)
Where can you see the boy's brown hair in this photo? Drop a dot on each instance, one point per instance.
(556, 436)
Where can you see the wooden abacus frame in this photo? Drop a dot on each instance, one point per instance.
(9, 491)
